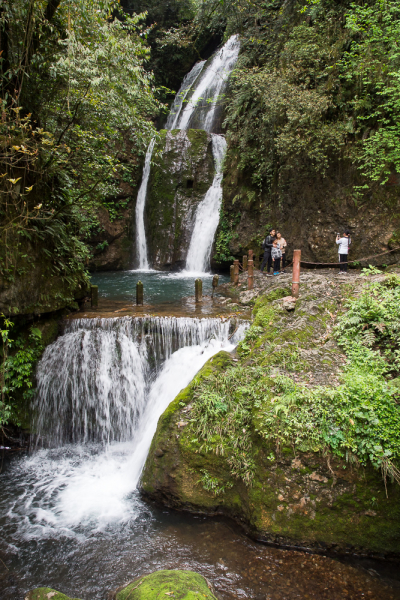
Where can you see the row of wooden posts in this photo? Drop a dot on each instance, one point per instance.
(247, 265)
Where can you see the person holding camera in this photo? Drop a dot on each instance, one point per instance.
(344, 243)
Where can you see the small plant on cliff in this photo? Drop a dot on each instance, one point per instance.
(225, 235)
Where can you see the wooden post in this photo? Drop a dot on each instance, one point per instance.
(198, 290)
(235, 272)
(232, 273)
(139, 293)
(245, 262)
(250, 279)
(296, 273)
(251, 253)
(94, 292)
(214, 284)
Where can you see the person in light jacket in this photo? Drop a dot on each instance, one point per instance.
(276, 256)
(344, 245)
(282, 246)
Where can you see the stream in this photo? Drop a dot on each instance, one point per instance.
(72, 517)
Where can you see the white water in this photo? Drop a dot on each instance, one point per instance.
(92, 484)
(179, 100)
(207, 215)
(210, 86)
(141, 245)
(205, 87)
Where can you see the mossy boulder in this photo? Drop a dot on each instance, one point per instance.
(181, 585)
(303, 498)
(181, 173)
(45, 593)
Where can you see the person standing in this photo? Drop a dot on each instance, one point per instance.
(276, 255)
(282, 246)
(267, 247)
(344, 245)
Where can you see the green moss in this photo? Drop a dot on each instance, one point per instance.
(181, 585)
(170, 200)
(46, 594)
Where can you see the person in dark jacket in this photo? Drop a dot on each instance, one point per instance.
(267, 247)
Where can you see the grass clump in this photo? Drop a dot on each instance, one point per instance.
(358, 420)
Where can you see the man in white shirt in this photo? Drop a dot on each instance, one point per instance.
(344, 244)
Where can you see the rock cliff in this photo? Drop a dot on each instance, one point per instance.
(182, 172)
(212, 452)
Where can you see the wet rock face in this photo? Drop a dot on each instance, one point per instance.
(309, 210)
(111, 245)
(185, 585)
(182, 172)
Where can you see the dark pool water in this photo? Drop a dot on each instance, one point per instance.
(43, 544)
(159, 287)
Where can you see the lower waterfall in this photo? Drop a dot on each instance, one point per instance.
(103, 386)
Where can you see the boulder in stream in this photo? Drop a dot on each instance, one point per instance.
(182, 585)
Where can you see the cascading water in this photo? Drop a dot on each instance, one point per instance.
(94, 381)
(103, 386)
(207, 215)
(179, 100)
(209, 87)
(204, 86)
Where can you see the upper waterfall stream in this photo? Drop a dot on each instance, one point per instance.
(195, 106)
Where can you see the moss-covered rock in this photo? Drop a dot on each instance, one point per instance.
(45, 593)
(181, 173)
(182, 585)
(308, 497)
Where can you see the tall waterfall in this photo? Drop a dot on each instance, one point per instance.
(204, 86)
(141, 245)
(178, 103)
(207, 214)
(203, 101)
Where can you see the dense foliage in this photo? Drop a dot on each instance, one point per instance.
(18, 354)
(73, 110)
(316, 84)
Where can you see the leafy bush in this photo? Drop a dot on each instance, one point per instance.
(18, 360)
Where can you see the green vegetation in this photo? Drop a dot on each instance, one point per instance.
(359, 420)
(298, 434)
(315, 86)
(18, 360)
(184, 585)
(225, 234)
(73, 110)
